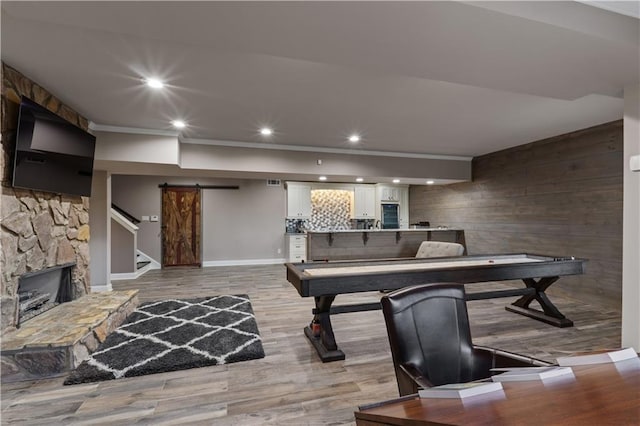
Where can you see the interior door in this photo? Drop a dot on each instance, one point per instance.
(181, 226)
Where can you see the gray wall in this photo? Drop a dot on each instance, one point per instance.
(123, 250)
(560, 196)
(237, 225)
(99, 218)
(140, 196)
(631, 222)
(244, 224)
(302, 165)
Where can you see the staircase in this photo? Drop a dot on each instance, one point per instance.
(144, 263)
(127, 262)
(141, 261)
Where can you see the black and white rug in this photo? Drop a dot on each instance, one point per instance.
(172, 335)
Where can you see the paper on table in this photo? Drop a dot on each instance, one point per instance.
(598, 358)
(460, 390)
(531, 373)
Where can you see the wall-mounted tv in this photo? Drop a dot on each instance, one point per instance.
(51, 153)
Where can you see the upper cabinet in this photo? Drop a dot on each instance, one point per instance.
(364, 202)
(389, 193)
(397, 194)
(298, 201)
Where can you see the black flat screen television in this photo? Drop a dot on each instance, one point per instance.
(51, 153)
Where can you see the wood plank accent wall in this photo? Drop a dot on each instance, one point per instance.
(558, 196)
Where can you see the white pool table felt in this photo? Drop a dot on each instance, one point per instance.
(387, 267)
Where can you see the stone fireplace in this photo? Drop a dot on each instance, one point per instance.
(38, 230)
(42, 290)
(44, 261)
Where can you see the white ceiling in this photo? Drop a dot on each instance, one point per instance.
(629, 8)
(444, 78)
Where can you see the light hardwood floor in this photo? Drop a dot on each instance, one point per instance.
(290, 386)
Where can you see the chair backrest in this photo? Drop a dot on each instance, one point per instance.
(439, 249)
(428, 328)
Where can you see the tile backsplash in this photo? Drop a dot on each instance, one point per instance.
(330, 210)
(296, 225)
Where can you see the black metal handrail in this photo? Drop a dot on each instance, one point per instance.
(124, 213)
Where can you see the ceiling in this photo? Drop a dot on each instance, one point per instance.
(442, 78)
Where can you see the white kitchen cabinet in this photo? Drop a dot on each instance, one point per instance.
(296, 247)
(364, 202)
(389, 193)
(298, 201)
(404, 208)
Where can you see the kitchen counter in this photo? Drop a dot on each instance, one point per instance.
(355, 244)
(382, 230)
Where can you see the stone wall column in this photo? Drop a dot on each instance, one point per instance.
(37, 229)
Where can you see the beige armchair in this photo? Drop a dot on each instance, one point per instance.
(439, 249)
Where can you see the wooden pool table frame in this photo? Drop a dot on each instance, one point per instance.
(537, 277)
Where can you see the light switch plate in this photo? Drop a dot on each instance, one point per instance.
(153, 218)
(634, 163)
(145, 218)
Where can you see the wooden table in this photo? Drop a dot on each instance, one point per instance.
(602, 394)
(325, 280)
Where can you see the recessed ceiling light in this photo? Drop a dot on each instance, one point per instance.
(155, 83)
(354, 138)
(266, 131)
(359, 179)
(179, 124)
(430, 182)
(322, 178)
(396, 181)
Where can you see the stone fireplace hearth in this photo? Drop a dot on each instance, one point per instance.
(57, 341)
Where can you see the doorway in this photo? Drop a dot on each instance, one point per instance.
(181, 226)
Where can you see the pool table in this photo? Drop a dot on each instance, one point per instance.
(325, 280)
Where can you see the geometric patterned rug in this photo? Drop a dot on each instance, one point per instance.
(175, 334)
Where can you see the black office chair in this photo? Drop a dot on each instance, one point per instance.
(428, 328)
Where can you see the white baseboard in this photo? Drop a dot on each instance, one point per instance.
(207, 264)
(242, 262)
(124, 276)
(101, 288)
(134, 275)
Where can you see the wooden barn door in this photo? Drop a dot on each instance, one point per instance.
(181, 226)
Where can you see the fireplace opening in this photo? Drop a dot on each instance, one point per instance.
(42, 290)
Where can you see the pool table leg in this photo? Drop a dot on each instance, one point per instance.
(551, 314)
(325, 343)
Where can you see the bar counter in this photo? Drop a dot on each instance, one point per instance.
(375, 243)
